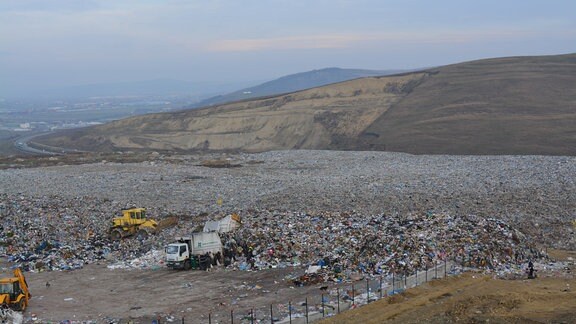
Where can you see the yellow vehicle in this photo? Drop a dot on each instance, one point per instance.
(14, 291)
(132, 222)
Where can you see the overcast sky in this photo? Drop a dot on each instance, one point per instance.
(71, 42)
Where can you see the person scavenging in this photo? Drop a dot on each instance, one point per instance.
(531, 271)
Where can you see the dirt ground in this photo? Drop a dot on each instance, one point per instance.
(103, 295)
(477, 298)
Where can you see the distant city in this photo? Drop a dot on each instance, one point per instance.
(28, 116)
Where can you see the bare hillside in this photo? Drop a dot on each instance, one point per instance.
(327, 117)
(522, 105)
(499, 106)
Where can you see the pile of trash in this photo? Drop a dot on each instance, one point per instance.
(66, 236)
(10, 316)
(345, 244)
(47, 234)
(153, 259)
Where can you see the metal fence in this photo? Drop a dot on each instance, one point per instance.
(330, 302)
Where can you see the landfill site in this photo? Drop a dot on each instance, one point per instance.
(289, 225)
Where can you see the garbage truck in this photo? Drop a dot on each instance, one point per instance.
(194, 251)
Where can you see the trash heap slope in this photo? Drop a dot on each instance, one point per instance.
(367, 205)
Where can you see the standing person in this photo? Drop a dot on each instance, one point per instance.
(531, 274)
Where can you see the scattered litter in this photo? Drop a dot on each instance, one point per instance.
(344, 216)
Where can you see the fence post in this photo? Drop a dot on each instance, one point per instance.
(271, 315)
(182, 319)
(405, 279)
(416, 283)
(290, 311)
(306, 310)
(393, 282)
(209, 318)
(232, 316)
(338, 299)
(444, 267)
(435, 269)
(353, 295)
(322, 305)
(252, 315)
(380, 286)
(367, 291)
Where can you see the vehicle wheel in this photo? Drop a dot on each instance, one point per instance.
(115, 235)
(20, 306)
(187, 264)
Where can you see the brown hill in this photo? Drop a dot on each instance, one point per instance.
(523, 105)
(520, 105)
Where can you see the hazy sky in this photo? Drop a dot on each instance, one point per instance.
(46, 43)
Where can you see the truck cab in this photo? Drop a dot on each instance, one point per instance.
(179, 255)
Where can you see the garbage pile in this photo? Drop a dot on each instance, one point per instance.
(345, 245)
(41, 236)
(50, 233)
(10, 316)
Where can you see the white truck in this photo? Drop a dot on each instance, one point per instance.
(186, 251)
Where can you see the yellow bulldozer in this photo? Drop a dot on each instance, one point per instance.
(134, 222)
(14, 291)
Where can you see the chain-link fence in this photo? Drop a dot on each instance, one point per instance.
(329, 302)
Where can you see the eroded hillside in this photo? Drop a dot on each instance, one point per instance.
(521, 105)
(329, 117)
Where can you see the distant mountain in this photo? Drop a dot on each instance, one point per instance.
(294, 82)
(516, 105)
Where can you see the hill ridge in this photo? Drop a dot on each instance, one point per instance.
(292, 83)
(519, 105)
